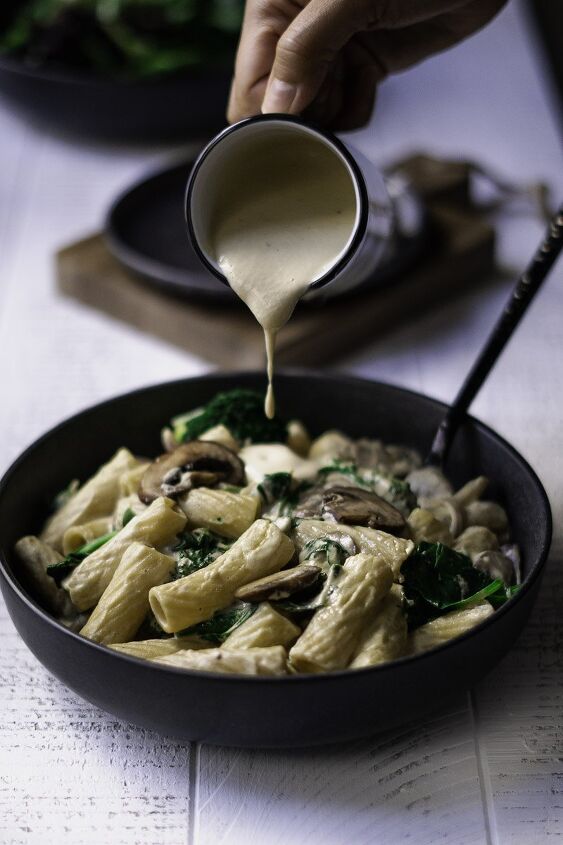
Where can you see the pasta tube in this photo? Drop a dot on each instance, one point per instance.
(96, 498)
(125, 601)
(266, 627)
(156, 526)
(385, 638)
(333, 634)
(250, 661)
(78, 535)
(447, 627)
(394, 550)
(35, 557)
(424, 526)
(227, 514)
(261, 550)
(149, 649)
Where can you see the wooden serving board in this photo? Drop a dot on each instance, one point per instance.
(462, 256)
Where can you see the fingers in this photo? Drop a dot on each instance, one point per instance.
(307, 49)
(264, 23)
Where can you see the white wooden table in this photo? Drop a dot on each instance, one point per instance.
(487, 770)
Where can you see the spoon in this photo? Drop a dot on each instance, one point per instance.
(524, 291)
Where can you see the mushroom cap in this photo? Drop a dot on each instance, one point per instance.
(355, 506)
(198, 463)
(280, 585)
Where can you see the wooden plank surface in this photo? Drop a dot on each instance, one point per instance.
(487, 769)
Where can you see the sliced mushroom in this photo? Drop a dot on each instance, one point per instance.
(311, 505)
(355, 506)
(195, 464)
(280, 585)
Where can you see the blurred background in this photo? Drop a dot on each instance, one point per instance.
(96, 94)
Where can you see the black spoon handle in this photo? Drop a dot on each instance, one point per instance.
(525, 290)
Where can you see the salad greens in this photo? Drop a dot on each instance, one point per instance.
(217, 629)
(437, 580)
(64, 567)
(197, 549)
(131, 38)
(279, 489)
(241, 411)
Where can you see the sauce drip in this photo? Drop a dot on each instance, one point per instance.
(284, 216)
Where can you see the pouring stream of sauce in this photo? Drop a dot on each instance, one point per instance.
(286, 213)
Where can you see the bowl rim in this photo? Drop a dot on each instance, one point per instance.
(298, 679)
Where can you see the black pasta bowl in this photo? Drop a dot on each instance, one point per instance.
(183, 105)
(264, 711)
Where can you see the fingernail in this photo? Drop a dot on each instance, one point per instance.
(279, 97)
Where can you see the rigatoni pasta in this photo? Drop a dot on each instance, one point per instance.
(96, 498)
(262, 549)
(125, 601)
(333, 633)
(156, 526)
(250, 661)
(249, 548)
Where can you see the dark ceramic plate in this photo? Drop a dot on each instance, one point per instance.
(182, 106)
(268, 712)
(145, 230)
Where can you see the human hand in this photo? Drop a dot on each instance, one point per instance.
(325, 58)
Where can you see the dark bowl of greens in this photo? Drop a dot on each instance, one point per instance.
(270, 711)
(125, 70)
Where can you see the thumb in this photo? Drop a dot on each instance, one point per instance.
(306, 50)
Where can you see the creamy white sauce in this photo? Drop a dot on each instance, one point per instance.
(283, 217)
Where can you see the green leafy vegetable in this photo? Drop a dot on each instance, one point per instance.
(128, 515)
(333, 551)
(60, 570)
(217, 629)
(197, 549)
(129, 38)
(275, 486)
(401, 493)
(241, 411)
(438, 579)
(64, 567)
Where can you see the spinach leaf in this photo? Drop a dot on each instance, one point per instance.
(334, 552)
(241, 411)
(217, 629)
(64, 567)
(438, 579)
(128, 515)
(197, 549)
(279, 489)
(275, 486)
